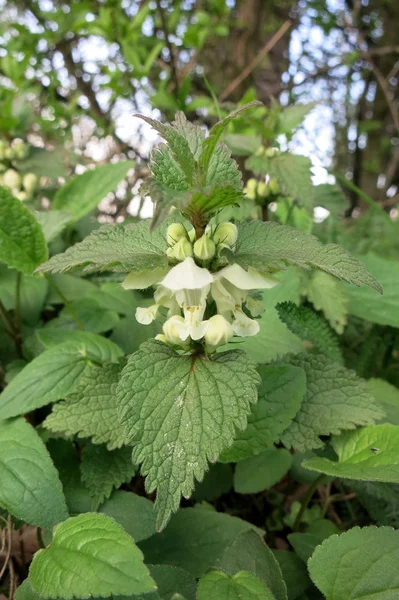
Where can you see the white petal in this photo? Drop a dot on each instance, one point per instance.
(246, 280)
(146, 315)
(243, 325)
(224, 300)
(143, 280)
(187, 275)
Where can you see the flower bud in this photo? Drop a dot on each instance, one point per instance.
(29, 182)
(274, 186)
(263, 189)
(204, 248)
(19, 148)
(271, 152)
(22, 196)
(9, 153)
(260, 151)
(226, 233)
(182, 250)
(161, 338)
(172, 328)
(175, 232)
(219, 331)
(191, 235)
(12, 179)
(250, 188)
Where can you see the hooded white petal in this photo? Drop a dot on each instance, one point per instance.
(143, 280)
(187, 275)
(243, 325)
(146, 315)
(246, 280)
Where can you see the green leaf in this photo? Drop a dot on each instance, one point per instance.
(91, 410)
(216, 585)
(358, 564)
(88, 311)
(249, 553)
(363, 304)
(217, 481)
(280, 397)
(102, 470)
(261, 472)
(135, 513)
(242, 145)
(71, 286)
(292, 116)
(90, 555)
(194, 539)
(25, 592)
(336, 399)
(171, 582)
(122, 247)
(304, 544)
(99, 347)
(311, 327)
(328, 295)
(269, 246)
(46, 163)
(388, 396)
(129, 334)
(32, 294)
(330, 197)
(381, 500)
(194, 422)
(369, 454)
(22, 243)
(53, 222)
(294, 573)
(82, 193)
(30, 487)
(223, 170)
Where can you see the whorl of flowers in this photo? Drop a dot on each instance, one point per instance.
(207, 300)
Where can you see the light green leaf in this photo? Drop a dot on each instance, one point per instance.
(194, 539)
(369, 454)
(90, 555)
(330, 197)
(25, 592)
(280, 397)
(195, 404)
(242, 145)
(304, 544)
(71, 286)
(102, 470)
(91, 410)
(363, 304)
(46, 163)
(171, 582)
(294, 573)
(329, 295)
(292, 116)
(82, 194)
(32, 294)
(249, 553)
(30, 487)
(130, 247)
(261, 472)
(358, 564)
(22, 243)
(49, 377)
(96, 345)
(310, 326)
(135, 513)
(223, 170)
(217, 585)
(53, 222)
(388, 395)
(336, 399)
(269, 246)
(88, 311)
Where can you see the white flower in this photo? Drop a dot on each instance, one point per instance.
(187, 275)
(193, 304)
(146, 315)
(171, 329)
(219, 331)
(144, 279)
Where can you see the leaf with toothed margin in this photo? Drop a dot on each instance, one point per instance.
(180, 412)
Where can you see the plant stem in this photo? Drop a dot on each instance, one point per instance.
(11, 329)
(313, 487)
(65, 301)
(17, 313)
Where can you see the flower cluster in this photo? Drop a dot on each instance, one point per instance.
(21, 186)
(204, 296)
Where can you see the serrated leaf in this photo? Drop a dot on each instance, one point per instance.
(90, 555)
(330, 197)
(30, 487)
(166, 171)
(215, 198)
(135, 513)
(369, 454)
(335, 400)
(261, 472)
(223, 170)
(47, 378)
(194, 539)
(360, 563)
(242, 145)
(294, 573)
(172, 582)
(328, 295)
(194, 134)
(102, 470)
(279, 399)
(269, 246)
(164, 199)
(217, 585)
(310, 326)
(91, 410)
(130, 247)
(195, 422)
(388, 395)
(96, 345)
(82, 193)
(22, 243)
(381, 500)
(89, 312)
(53, 222)
(304, 544)
(363, 304)
(292, 116)
(249, 553)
